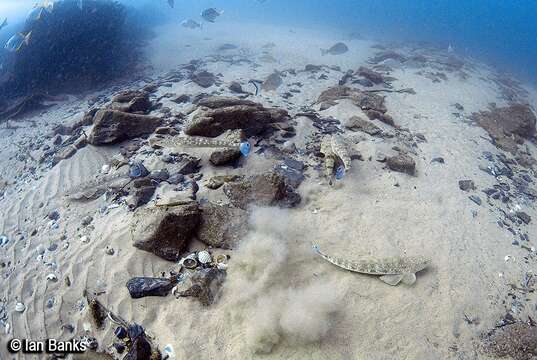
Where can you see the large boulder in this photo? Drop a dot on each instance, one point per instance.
(508, 126)
(222, 226)
(165, 232)
(132, 101)
(268, 189)
(218, 114)
(112, 126)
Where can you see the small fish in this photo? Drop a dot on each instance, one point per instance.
(392, 270)
(191, 24)
(337, 49)
(16, 42)
(211, 14)
(4, 24)
(171, 3)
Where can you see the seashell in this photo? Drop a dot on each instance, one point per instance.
(137, 170)
(52, 277)
(205, 257)
(190, 263)
(20, 307)
(221, 259)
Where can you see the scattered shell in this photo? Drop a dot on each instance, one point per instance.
(52, 277)
(110, 251)
(221, 259)
(84, 239)
(221, 266)
(507, 258)
(190, 263)
(105, 169)
(204, 257)
(168, 351)
(3, 240)
(20, 307)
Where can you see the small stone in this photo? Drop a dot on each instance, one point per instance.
(86, 220)
(476, 199)
(439, 160)
(466, 185)
(524, 217)
(402, 163)
(20, 307)
(52, 247)
(4, 240)
(54, 215)
(140, 287)
(110, 251)
(40, 249)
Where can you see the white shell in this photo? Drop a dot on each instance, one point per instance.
(52, 277)
(20, 307)
(204, 257)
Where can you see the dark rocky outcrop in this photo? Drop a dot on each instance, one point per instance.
(132, 101)
(508, 126)
(165, 231)
(371, 75)
(401, 163)
(268, 189)
(224, 157)
(222, 226)
(140, 287)
(218, 114)
(112, 126)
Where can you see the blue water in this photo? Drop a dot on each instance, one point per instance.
(500, 32)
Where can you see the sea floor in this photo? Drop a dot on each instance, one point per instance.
(279, 299)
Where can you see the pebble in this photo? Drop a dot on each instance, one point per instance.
(52, 277)
(84, 239)
(466, 185)
(20, 307)
(475, 199)
(3, 240)
(110, 251)
(54, 215)
(87, 220)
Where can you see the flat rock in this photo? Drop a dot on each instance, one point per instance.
(356, 123)
(218, 114)
(165, 231)
(268, 189)
(402, 163)
(224, 157)
(112, 126)
(204, 78)
(371, 75)
(466, 185)
(140, 287)
(508, 126)
(132, 102)
(222, 226)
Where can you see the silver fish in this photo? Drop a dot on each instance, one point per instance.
(211, 14)
(393, 270)
(4, 24)
(337, 49)
(191, 24)
(16, 42)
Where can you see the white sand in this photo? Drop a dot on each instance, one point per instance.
(363, 318)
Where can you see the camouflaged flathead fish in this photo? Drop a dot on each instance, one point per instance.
(393, 270)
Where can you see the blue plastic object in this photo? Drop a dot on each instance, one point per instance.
(245, 148)
(340, 172)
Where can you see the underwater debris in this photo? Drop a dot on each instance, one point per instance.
(392, 270)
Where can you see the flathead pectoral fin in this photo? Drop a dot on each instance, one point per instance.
(409, 278)
(392, 280)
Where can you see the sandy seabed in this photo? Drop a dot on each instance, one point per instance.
(280, 300)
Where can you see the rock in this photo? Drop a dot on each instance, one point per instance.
(140, 287)
(377, 115)
(131, 102)
(218, 181)
(222, 226)
(166, 130)
(268, 189)
(54, 215)
(86, 220)
(325, 105)
(312, 68)
(181, 99)
(364, 100)
(206, 284)
(514, 340)
(165, 231)
(508, 126)
(292, 170)
(356, 123)
(466, 185)
(476, 199)
(204, 79)
(224, 157)
(111, 126)
(219, 114)
(187, 164)
(401, 163)
(272, 82)
(385, 55)
(236, 87)
(524, 217)
(373, 76)
(143, 192)
(159, 175)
